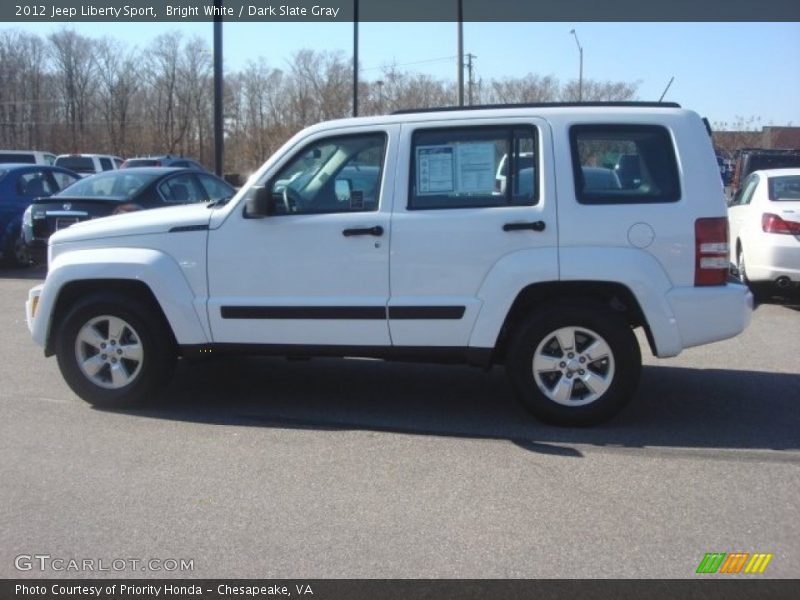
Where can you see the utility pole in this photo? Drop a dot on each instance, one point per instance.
(460, 52)
(355, 58)
(379, 83)
(470, 81)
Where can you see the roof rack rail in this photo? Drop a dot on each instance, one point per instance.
(630, 104)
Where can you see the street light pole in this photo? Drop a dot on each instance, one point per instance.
(460, 53)
(219, 97)
(580, 72)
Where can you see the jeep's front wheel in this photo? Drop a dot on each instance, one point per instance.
(114, 351)
(575, 365)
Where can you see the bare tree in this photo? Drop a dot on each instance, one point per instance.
(511, 90)
(119, 79)
(73, 56)
(166, 109)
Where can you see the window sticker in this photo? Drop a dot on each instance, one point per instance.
(356, 200)
(476, 168)
(435, 170)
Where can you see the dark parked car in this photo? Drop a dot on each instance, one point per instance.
(19, 185)
(115, 192)
(759, 159)
(162, 161)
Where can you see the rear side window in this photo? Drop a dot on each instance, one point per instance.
(28, 159)
(215, 189)
(182, 189)
(473, 167)
(624, 164)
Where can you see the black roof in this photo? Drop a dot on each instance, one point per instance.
(541, 105)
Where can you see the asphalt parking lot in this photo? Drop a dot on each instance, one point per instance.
(347, 468)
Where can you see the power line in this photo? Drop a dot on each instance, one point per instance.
(408, 64)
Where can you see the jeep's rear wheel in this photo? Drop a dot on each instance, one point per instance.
(114, 351)
(575, 365)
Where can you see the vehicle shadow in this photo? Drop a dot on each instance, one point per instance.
(38, 272)
(675, 407)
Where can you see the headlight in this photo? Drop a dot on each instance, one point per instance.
(27, 217)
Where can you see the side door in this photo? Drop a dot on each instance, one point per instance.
(316, 271)
(739, 211)
(469, 194)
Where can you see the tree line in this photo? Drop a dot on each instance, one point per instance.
(67, 92)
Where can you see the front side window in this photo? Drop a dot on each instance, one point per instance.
(624, 164)
(105, 164)
(333, 175)
(473, 167)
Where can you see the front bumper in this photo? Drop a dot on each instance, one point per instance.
(32, 305)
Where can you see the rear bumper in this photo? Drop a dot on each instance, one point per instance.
(768, 262)
(709, 314)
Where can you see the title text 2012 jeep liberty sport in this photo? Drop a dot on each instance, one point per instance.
(391, 237)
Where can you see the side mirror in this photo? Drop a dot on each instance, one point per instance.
(258, 204)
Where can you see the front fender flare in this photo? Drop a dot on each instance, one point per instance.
(158, 271)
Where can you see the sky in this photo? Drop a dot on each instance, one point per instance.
(724, 71)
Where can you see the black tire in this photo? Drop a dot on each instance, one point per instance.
(146, 329)
(759, 290)
(589, 322)
(15, 252)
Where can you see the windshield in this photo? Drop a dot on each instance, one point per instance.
(784, 188)
(79, 164)
(116, 184)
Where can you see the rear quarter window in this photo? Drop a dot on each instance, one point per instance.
(624, 164)
(28, 159)
(784, 188)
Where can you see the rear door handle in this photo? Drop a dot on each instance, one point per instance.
(376, 231)
(535, 226)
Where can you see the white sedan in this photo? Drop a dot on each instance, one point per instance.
(764, 219)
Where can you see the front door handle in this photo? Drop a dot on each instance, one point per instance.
(376, 231)
(535, 226)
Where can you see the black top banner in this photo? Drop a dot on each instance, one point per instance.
(398, 589)
(399, 10)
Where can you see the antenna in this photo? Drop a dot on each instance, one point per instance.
(671, 79)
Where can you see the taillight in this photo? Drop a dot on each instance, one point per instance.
(711, 251)
(771, 223)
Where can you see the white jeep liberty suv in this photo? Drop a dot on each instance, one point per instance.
(393, 237)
